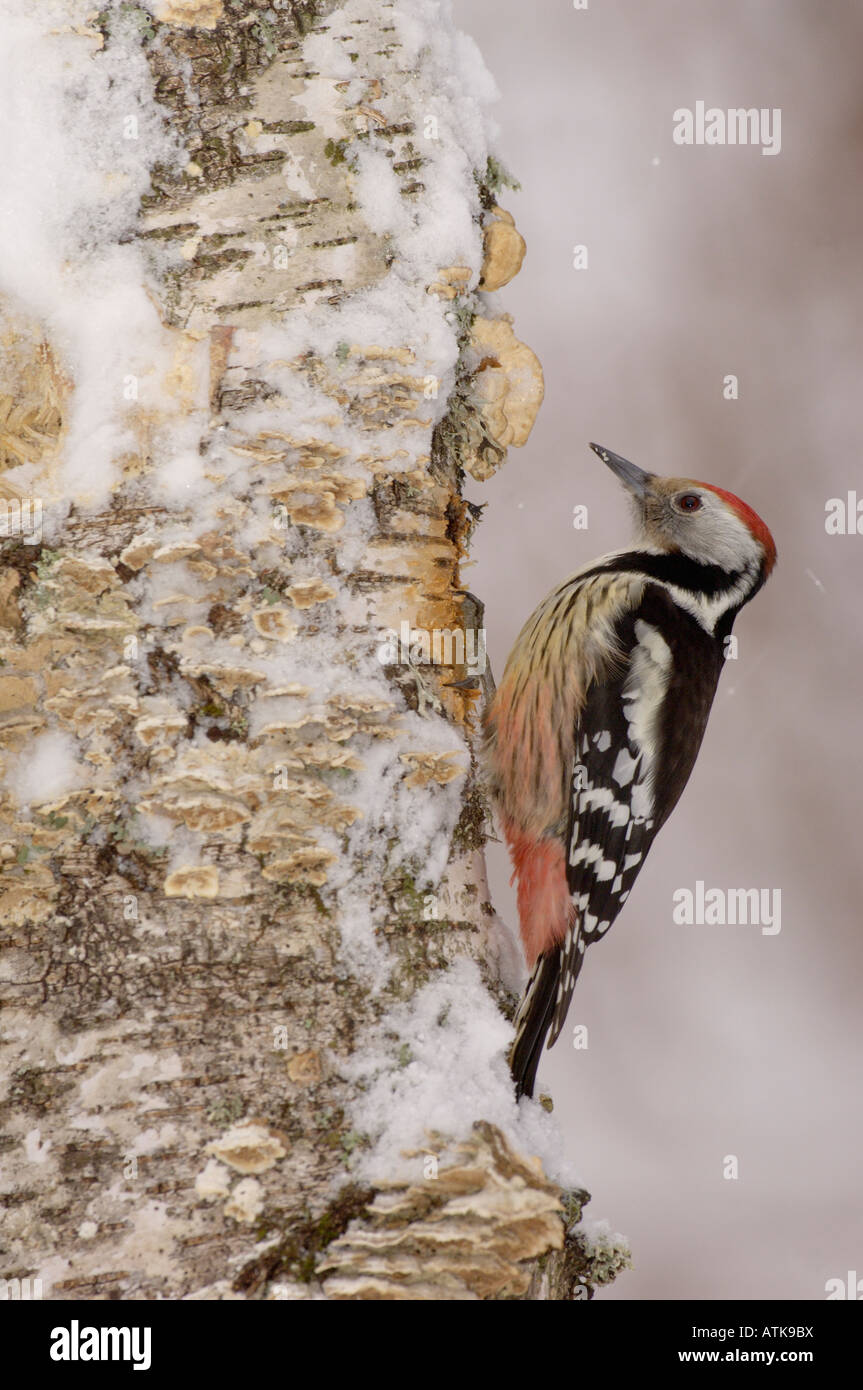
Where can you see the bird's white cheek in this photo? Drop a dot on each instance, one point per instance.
(713, 541)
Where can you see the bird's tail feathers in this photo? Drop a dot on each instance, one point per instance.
(544, 1007)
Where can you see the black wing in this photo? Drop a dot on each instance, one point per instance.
(636, 741)
(609, 831)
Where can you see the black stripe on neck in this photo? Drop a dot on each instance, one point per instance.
(675, 568)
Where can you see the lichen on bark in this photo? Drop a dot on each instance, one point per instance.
(184, 980)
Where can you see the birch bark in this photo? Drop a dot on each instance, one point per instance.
(241, 816)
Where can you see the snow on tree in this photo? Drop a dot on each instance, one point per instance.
(255, 996)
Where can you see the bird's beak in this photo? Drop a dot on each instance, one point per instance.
(629, 474)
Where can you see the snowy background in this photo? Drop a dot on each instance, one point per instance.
(704, 1041)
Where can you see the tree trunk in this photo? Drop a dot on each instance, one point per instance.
(251, 976)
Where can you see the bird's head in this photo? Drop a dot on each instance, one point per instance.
(680, 515)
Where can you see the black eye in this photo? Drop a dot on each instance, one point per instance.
(689, 502)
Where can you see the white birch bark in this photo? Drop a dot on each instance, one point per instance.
(235, 841)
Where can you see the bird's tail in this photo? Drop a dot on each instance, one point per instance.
(544, 1007)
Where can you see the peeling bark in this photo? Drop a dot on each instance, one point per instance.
(176, 1122)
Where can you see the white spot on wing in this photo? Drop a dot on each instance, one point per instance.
(642, 800)
(624, 767)
(645, 686)
(603, 799)
(592, 854)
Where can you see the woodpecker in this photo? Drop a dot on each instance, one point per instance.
(595, 727)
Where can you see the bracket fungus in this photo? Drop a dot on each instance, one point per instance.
(504, 249)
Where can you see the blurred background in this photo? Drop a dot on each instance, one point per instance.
(703, 262)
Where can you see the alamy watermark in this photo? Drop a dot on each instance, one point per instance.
(417, 646)
(77, 1343)
(738, 126)
(844, 515)
(21, 516)
(712, 907)
(849, 1288)
(20, 1290)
